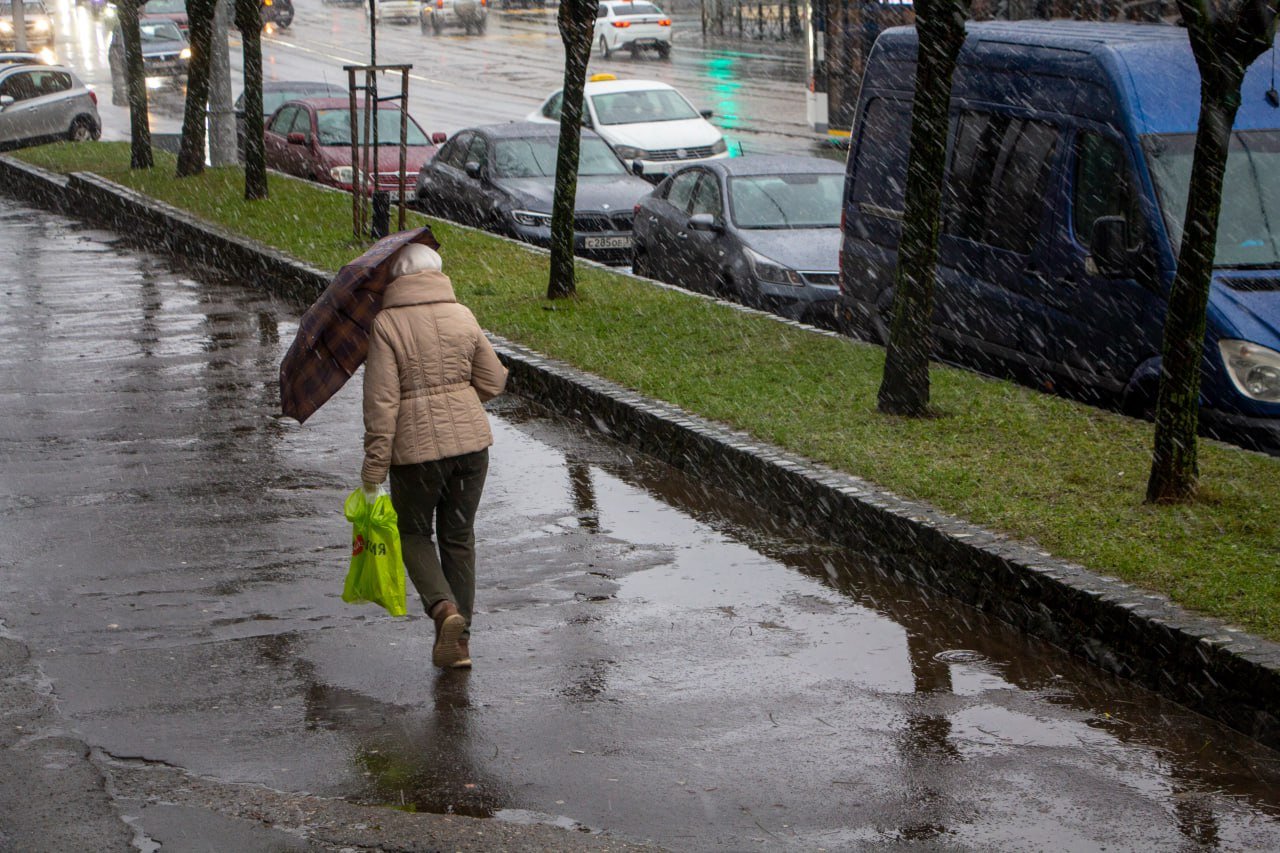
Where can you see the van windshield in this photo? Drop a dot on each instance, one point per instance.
(1249, 224)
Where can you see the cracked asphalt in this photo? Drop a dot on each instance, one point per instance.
(657, 664)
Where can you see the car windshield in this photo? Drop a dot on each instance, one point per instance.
(334, 128)
(272, 101)
(804, 200)
(159, 31)
(165, 7)
(640, 106)
(535, 157)
(1249, 223)
(628, 9)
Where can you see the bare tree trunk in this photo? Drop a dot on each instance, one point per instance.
(904, 390)
(140, 155)
(576, 20)
(191, 152)
(1226, 37)
(249, 22)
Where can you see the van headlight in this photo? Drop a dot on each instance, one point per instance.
(772, 272)
(626, 152)
(1254, 369)
(532, 218)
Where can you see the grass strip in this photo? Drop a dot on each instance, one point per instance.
(1061, 475)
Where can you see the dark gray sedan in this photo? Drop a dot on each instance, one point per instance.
(502, 177)
(764, 230)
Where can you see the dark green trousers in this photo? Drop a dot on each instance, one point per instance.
(442, 496)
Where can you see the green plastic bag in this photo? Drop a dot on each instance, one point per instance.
(377, 569)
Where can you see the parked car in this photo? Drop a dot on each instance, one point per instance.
(471, 15)
(762, 230)
(311, 138)
(399, 11)
(39, 103)
(170, 10)
(39, 25)
(632, 25)
(502, 178)
(1067, 179)
(649, 125)
(165, 57)
(276, 92)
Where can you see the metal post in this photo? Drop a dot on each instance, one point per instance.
(365, 188)
(404, 137)
(355, 159)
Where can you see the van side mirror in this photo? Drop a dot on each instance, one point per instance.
(705, 222)
(473, 169)
(1109, 245)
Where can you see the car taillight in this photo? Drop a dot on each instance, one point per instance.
(439, 4)
(665, 22)
(93, 96)
(622, 25)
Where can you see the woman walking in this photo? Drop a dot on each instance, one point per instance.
(429, 369)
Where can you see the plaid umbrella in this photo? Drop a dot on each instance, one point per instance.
(333, 336)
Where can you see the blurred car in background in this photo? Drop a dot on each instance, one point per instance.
(39, 25)
(311, 138)
(501, 178)
(276, 92)
(645, 122)
(170, 10)
(165, 57)
(632, 25)
(764, 230)
(471, 15)
(40, 103)
(398, 11)
(276, 13)
(15, 57)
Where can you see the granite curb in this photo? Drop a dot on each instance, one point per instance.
(1214, 668)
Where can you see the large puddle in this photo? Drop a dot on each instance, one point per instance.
(653, 658)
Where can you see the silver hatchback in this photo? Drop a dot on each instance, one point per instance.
(41, 103)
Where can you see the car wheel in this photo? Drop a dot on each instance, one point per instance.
(82, 130)
(285, 20)
(638, 266)
(480, 26)
(664, 51)
(604, 47)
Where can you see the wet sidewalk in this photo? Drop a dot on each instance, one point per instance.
(654, 660)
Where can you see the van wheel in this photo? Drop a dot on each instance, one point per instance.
(82, 130)
(882, 319)
(1140, 401)
(604, 48)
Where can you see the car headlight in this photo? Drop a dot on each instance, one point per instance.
(769, 270)
(6, 27)
(720, 147)
(41, 25)
(532, 218)
(626, 152)
(185, 53)
(343, 174)
(1254, 369)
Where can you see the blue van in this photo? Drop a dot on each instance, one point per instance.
(1068, 165)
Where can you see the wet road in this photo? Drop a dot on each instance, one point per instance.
(653, 658)
(756, 89)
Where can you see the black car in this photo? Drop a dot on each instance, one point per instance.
(165, 56)
(764, 230)
(502, 177)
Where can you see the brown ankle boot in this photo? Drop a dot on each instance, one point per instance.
(449, 628)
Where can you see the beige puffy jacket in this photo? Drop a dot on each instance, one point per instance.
(429, 369)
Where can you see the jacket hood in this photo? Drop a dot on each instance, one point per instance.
(417, 289)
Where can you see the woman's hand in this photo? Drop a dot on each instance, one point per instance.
(372, 491)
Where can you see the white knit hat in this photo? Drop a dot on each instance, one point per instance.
(415, 257)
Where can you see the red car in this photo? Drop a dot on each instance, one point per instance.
(311, 138)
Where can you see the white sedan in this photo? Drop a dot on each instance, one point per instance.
(645, 122)
(632, 25)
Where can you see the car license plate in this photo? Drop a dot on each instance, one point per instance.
(607, 242)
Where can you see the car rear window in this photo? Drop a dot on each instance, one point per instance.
(628, 9)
